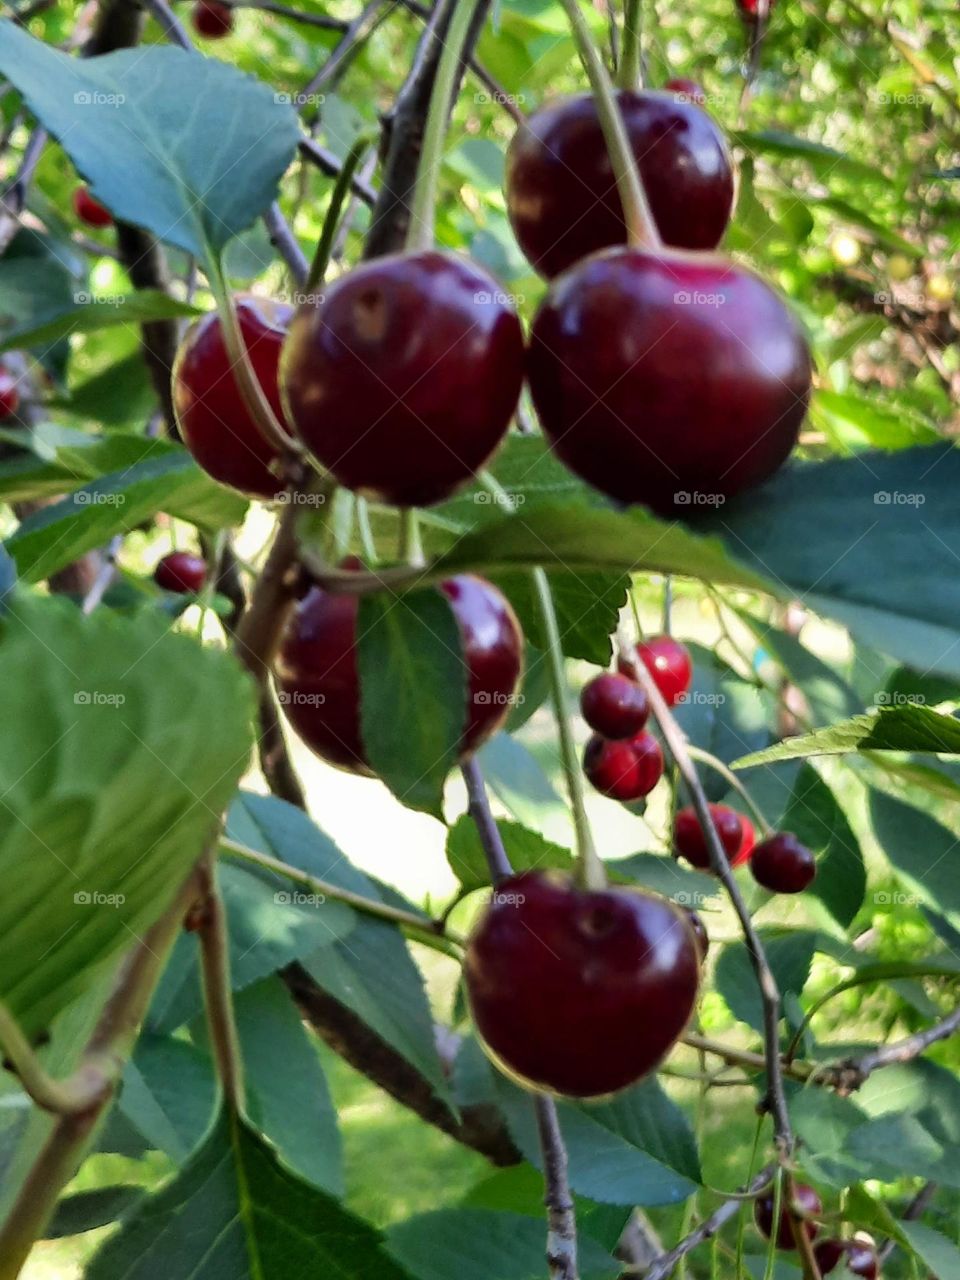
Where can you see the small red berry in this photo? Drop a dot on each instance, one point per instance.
(614, 706)
(806, 1202)
(686, 90)
(212, 414)
(576, 992)
(181, 572)
(9, 394)
(625, 770)
(90, 211)
(212, 19)
(690, 841)
(782, 864)
(668, 661)
(745, 852)
(859, 1257)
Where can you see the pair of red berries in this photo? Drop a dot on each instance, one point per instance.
(859, 1257)
(9, 393)
(621, 759)
(90, 211)
(212, 19)
(181, 572)
(319, 679)
(779, 862)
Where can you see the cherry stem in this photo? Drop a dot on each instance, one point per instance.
(423, 204)
(478, 807)
(217, 988)
(717, 765)
(641, 228)
(561, 1224)
(630, 70)
(324, 889)
(342, 188)
(590, 869)
(77, 1093)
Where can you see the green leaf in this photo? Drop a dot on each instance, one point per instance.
(904, 728)
(922, 851)
(235, 1211)
(938, 1252)
(87, 1210)
(824, 1121)
(413, 704)
(169, 1094)
(722, 714)
(790, 955)
(527, 850)
(515, 777)
(824, 160)
(8, 579)
(828, 694)
(637, 1149)
(188, 147)
(482, 1244)
(575, 538)
(588, 609)
(881, 534)
(663, 874)
(287, 1095)
(89, 312)
(35, 290)
(130, 741)
(817, 820)
(171, 481)
(370, 970)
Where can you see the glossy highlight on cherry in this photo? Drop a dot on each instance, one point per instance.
(614, 706)
(181, 572)
(669, 663)
(623, 966)
(623, 770)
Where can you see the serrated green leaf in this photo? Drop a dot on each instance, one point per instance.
(129, 741)
(935, 1249)
(413, 703)
(907, 728)
(588, 610)
(88, 312)
(235, 1211)
(139, 125)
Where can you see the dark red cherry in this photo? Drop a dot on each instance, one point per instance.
(625, 770)
(403, 380)
(319, 682)
(806, 1201)
(9, 394)
(859, 1257)
(214, 420)
(782, 864)
(579, 993)
(90, 211)
(699, 931)
(614, 706)
(686, 90)
(562, 197)
(212, 19)
(753, 8)
(673, 381)
(689, 838)
(747, 844)
(668, 661)
(182, 572)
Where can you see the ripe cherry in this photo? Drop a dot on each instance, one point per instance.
(625, 770)
(687, 90)
(782, 864)
(214, 420)
(562, 197)
(691, 842)
(755, 8)
(579, 993)
(181, 572)
(747, 844)
(668, 661)
(319, 679)
(212, 19)
(699, 932)
(403, 380)
(9, 394)
(614, 706)
(673, 381)
(806, 1201)
(90, 211)
(859, 1257)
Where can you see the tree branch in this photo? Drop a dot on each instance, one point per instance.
(561, 1223)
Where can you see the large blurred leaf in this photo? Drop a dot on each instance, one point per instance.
(235, 1211)
(414, 685)
(921, 850)
(816, 819)
(123, 744)
(189, 148)
(88, 312)
(790, 955)
(170, 481)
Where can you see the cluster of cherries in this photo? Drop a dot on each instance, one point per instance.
(859, 1257)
